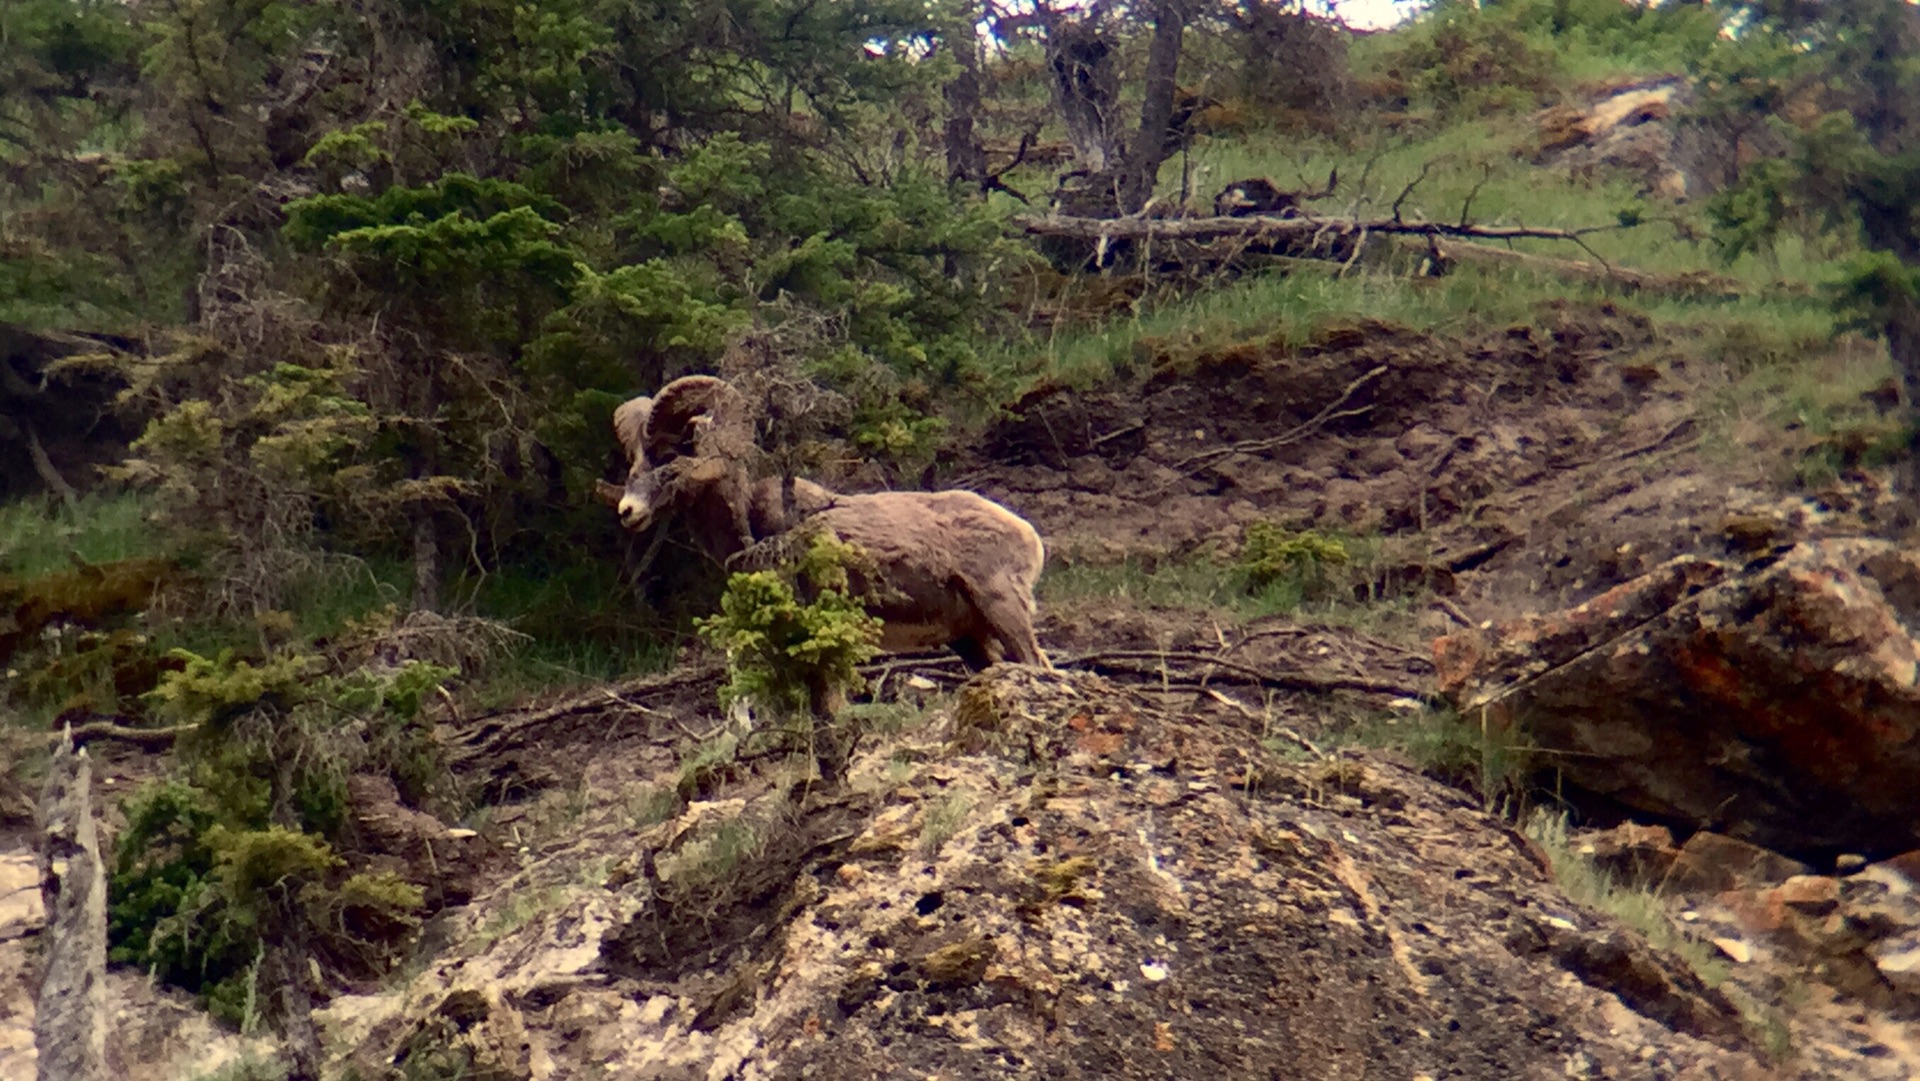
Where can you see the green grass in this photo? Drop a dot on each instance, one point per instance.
(582, 626)
(941, 819)
(1205, 583)
(1437, 168)
(1588, 40)
(323, 603)
(1477, 158)
(39, 536)
(581, 623)
(1494, 764)
(1286, 306)
(1635, 904)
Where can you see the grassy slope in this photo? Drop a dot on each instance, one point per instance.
(1775, 347)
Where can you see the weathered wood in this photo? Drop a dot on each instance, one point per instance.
(149, 739)
(1698, 282)
(1255, 227)
(70, 1025)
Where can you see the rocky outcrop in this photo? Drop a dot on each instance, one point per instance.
(1623, 128)
(1774, 702)
(1055, 878)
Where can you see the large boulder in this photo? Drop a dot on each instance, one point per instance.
(1773, 702)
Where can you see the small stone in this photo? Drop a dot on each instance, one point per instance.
(1714, 863)
(1631, 852)
(1898, 959)
(1736, 949)
(1814, 894)
(1153, 971)
(1907, 864)
(1848, 863)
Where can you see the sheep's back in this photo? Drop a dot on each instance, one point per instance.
(938, 533)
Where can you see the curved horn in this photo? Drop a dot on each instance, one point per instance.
(630, 424)
(677, 406)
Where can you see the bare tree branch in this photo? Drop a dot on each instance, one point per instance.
(1408, 190)
(1259, 227)
(1466, 206)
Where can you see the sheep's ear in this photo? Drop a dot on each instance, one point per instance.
(630, 424)
(676, 409)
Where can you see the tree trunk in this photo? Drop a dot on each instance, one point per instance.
(285, 965)
(1151, 144)
(426, 561)
(966, 159)
(1902, 331)
(70, 1025)
(426, 464)
(1086, 89)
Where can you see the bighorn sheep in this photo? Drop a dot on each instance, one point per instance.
(954, 569)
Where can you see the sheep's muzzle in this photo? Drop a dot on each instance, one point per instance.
(634, 512)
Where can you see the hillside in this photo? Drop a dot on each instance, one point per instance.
(1473, 461)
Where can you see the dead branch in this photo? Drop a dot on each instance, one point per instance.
(71, 1024)
(1271, 729)
(148, 739)
(1480, 554)
(1466, 205)
(1407, 191)
(1264, 227)
(1453, 611)
(494, 734)
(1185, 467)
(1113, 662)
(1690, 283)
(1683, 427)
(43, 465)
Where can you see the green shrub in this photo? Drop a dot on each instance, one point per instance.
(795, 638)
(1271, 556)
(235, 854)
(794, 634)
(1467, 60)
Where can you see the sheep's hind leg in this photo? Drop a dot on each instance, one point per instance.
(1010, 621)
(973, 654)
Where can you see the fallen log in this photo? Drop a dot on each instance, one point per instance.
(1255, 227)
(70, 1025)
(1695, 283)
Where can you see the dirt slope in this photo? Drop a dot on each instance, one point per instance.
(1554, 460)
(1074, 876)
(1098, 889)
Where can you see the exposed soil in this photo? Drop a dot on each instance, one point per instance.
(1539, 465)
(1137, 883)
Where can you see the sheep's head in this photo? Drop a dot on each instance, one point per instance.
(671, 445)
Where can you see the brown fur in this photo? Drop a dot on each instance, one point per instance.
(955, 569)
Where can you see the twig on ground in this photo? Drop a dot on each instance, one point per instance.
(1299, 431)
(1266, 727)
(1106, 659)
(1453, 611)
